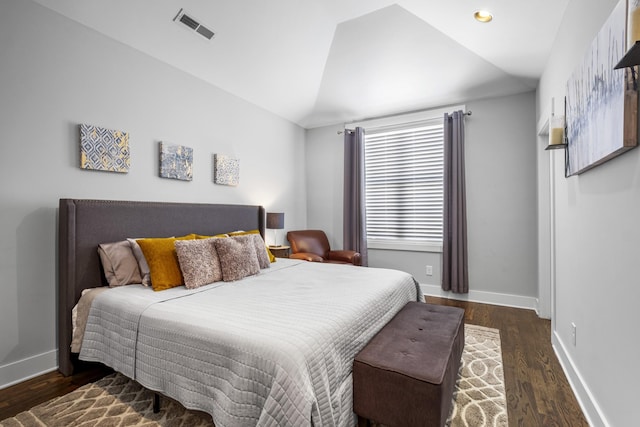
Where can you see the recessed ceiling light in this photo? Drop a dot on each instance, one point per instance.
(483, 16)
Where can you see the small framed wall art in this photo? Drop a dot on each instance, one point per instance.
(176, 162)
(226, 170)
(104, 149)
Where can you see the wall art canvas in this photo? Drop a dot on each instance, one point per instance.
(176, 162)
(226, 170)
(104, 149)
(602, 103)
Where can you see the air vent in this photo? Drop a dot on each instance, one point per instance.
(193, 24)
(189, 22)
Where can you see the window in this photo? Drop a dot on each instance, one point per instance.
(404, 182)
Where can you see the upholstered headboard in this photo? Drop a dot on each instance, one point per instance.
(84, 224)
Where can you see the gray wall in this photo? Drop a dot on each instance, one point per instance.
(597, 235)
(501, 194)
(55, 74)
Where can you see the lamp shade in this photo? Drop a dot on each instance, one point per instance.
(275, 220)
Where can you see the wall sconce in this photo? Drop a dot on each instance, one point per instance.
(275, 221)
(632, 57)
(630, 60)
(556, 129)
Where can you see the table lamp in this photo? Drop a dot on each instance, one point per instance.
(275, 221)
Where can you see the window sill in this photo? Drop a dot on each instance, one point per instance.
(405, 246)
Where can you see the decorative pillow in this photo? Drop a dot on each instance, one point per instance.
(238, 257)
(119, 264)
(272, 258)
(142, 262)
(163, 261)
(200, 236)
(199, 262)
(145, 272)
(261, 251)
(187, 237)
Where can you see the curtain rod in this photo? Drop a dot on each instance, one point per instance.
(340, 132)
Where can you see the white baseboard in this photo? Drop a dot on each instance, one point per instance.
(485, 297)
(543, 312)
(590, 407)
(22, 370)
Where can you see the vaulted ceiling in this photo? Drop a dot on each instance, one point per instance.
(318, 62)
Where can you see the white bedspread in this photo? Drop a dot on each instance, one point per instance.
(274, 349)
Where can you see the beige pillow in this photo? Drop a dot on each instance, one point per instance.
(238, 257)
(199, 262)
(119, 264)
(261, 251)
(272, 258)
(142, 262)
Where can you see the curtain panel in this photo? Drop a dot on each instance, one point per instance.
(355, 224)
(455, 273)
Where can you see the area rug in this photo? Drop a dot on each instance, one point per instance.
(115, 400)
(480, 399)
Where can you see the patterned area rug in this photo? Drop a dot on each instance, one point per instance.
(117, 401)
(479, 399)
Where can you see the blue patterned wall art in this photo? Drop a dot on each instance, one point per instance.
(176, 162)
(104, 149)
(226, 170)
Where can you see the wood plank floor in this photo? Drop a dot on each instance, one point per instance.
(538, 393)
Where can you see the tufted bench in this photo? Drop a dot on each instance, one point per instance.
(405, 376)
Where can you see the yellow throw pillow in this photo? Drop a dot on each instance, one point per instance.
(219, 236)
(243, 233)
(272, 258)
(163, 261)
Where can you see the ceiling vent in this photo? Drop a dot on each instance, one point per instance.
(193, 24)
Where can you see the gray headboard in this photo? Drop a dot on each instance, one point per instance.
(84, 224)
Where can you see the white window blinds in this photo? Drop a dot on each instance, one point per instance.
(404, 179)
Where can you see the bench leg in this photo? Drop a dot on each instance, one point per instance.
(156, 403)
(364, 422)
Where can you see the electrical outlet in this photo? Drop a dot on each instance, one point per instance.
(573, 333)
(429, 270)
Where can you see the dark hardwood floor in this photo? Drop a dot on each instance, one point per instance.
(30, 393)
(538, 393)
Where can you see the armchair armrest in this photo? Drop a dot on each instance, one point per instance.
(306, 256)
(351, 257)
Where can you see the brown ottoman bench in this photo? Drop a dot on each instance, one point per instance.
(405, 376)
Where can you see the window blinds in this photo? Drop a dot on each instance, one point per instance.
(404, 182)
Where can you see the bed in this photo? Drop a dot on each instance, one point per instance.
(272, 349)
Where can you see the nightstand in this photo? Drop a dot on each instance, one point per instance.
(281, 251)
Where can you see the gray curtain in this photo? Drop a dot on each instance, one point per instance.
(355, 224)
(455, 274)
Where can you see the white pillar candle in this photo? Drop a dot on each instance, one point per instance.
(556, 136)
(633, 26)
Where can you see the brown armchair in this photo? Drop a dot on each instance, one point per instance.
(313, 245)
